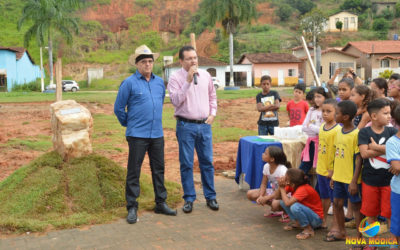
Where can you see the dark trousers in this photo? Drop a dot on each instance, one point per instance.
(137, 150)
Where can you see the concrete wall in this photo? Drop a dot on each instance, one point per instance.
(26, 71)
(8, 62)
(18, 72)
(342, 16)
(326, 60)
(273, 70)
(94, 73)
(363, 61)
(383, 6)
(394, 65)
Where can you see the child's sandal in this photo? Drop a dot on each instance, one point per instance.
(290, 227)
(304, 235)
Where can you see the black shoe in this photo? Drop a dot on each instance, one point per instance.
(188, 207)
(162, 208)
(213, 204)
(132, 215)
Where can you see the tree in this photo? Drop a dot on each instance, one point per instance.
(230, 13)
(47, 17)
(381, 27)
(339, 25)
(397, 9)
(358, 6)
(284, 11)
(303, 6)
(312, 24)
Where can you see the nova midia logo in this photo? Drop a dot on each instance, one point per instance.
(369, 230)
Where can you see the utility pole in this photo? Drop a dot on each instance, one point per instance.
(41, 70)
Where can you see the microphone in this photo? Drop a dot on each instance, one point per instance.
(195, 79)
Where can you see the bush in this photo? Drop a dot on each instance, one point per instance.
(386, 74)
(387, 14)
(31, 86)
(284, 11)
(339, 25)
(145, 3)
(303, 6)
(381, 27)
(397, 9)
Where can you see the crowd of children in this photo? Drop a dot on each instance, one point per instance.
(353, 144)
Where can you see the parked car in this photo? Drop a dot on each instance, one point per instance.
(70, 85)
(216, 82)
(51, 87)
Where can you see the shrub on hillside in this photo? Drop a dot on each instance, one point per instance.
(284, 11)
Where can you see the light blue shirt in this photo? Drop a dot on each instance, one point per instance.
(143, 101)
(393, 154)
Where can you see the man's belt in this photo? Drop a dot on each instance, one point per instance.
(191, 121)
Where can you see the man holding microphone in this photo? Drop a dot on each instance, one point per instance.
(193, 95)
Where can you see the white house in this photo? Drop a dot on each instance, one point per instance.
(349, 20)
(218, 70)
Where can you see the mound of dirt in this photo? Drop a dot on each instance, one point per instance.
(49, 193)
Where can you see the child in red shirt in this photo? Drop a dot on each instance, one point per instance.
(304, 207)
(297, 108)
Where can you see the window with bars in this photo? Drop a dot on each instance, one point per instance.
(292, 72)
(385, 63)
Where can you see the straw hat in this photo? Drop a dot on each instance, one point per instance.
(142, 50)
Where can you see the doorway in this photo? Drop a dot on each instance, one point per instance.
(3, 83)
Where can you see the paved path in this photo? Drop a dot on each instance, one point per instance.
(239, 224)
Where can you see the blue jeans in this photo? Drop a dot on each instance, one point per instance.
(303, 214)
(264, 130)
(199, 136)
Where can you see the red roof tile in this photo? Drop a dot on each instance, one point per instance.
(375, 47)
(270, 58)
(330, 50)
(202, 61)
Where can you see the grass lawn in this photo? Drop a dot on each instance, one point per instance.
(109, 97)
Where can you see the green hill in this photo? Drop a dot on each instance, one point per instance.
(96, 44)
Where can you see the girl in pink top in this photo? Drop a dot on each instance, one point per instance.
(311, 126)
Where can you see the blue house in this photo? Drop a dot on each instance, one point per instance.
(16, 67)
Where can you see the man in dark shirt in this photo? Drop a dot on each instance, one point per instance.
(143, 94)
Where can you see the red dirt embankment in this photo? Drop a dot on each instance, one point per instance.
(29, 120)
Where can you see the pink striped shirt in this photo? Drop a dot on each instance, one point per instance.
(195, 102)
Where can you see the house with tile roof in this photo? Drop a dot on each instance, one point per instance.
(331, 59)
(283, 68)
(375, 56)
(16, 67)
(218, 70)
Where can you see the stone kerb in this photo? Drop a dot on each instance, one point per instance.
(72, 126)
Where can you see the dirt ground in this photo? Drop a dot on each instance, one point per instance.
(29, 120)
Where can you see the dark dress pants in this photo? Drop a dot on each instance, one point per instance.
(137, 150)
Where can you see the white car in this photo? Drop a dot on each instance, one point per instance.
(216, 82)
(70, 85)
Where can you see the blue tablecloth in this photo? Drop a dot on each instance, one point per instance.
(249, 159)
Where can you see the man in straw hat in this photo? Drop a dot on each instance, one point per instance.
(143, 95)
(193, 94)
